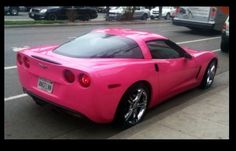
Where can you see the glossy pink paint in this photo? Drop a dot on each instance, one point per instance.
(110, 78)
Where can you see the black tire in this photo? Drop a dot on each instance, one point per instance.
(224, 46)
(152, 17)
(85, 17)
(209, 75)
(14, 11)
(131, 110)
(144, 17)
(52, 17)
(167, 17)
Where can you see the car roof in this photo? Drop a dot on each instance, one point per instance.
(133, 34)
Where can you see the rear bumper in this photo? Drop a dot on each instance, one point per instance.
(96, 104)
(154, 15)
(37, 16)
(68, 110)
(193, 24)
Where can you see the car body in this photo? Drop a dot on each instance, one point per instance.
(60, 12)
(225, 37)
(117, 13)
(166, 12)
(208, 18)
(12, 10)
(95, 73)
(102, 9)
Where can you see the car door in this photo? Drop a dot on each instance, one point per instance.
(176, 72)
(62, 12)
(137, 13)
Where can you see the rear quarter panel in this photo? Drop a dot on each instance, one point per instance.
(125, 75)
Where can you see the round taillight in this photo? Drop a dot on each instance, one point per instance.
(19, 59)
(26, 62)
(84, 80)
(69, 76)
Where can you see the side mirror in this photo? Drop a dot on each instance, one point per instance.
(188, 56)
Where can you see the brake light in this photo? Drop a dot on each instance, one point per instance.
(69, 76)
(26, 62)
(84, 80)
(224, 27)
(19, 59)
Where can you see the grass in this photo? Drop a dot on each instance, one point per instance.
(29, 22)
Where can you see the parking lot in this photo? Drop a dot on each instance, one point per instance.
(195, 114)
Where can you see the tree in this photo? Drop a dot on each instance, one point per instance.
(71, 13)
(107, 12)
(160, 12)
(129, 12)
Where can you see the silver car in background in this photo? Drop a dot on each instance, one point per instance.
(117, 13)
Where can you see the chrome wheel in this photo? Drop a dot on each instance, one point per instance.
(211, 74)
(137, 106)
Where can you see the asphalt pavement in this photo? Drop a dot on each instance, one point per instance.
(194, 114)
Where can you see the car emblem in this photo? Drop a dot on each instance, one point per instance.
(43, 66)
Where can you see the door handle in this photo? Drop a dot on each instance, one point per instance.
(156, 67)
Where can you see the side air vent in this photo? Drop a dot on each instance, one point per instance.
(46, 60)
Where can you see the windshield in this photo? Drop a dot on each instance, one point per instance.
(100, 45)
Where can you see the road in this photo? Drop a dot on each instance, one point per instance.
(24, 119)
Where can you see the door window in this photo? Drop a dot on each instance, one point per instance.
(164, 49)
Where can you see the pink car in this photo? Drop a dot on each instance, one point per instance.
(113, 74)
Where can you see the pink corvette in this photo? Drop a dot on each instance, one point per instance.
(113, 74)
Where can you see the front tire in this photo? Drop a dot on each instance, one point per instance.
(144, 17)
(209, 75)
(52, 17)
(167, 17)
(133, 106)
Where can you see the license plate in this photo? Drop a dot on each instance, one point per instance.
(45, 85)
(113, 15)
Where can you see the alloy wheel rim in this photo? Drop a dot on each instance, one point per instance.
(137, 106)
(211, 74)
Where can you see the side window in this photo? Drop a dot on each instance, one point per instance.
(161, 49)
(130, 53)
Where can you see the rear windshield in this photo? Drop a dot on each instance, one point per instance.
(100, 45)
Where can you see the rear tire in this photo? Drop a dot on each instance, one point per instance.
(133, 106)
(209, 75)
(224, 46)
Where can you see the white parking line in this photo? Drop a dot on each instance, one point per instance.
(15, 97)
(184, 42)
(216, 50)
(11, 67)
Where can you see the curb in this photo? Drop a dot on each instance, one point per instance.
(84, 24)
